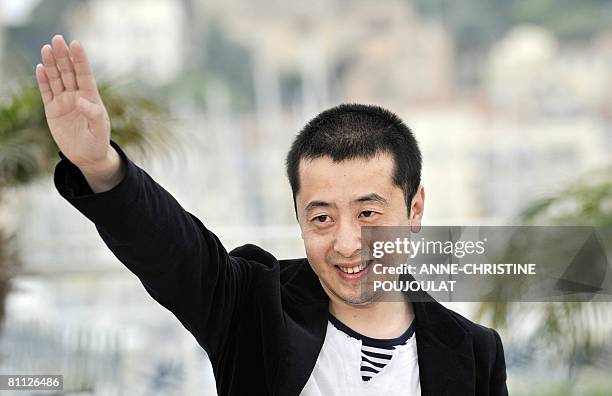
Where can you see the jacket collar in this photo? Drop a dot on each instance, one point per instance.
(445, 350)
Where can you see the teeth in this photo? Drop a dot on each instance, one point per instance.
(353, 270)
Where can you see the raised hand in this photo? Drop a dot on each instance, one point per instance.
(75, 113)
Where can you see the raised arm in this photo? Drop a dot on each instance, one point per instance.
(179, 261)
(76, 116)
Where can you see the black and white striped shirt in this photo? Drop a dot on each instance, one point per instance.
(375, 353)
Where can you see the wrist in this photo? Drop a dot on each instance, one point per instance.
(101, 168)
(106, 174)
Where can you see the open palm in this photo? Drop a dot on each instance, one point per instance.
(75, 113)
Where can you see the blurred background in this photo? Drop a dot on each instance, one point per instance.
(511, 102)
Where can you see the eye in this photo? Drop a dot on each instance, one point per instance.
(368, 213)
(320, 219)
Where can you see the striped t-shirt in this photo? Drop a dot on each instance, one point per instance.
(375, 353)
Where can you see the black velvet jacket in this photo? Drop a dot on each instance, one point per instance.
(262, 321)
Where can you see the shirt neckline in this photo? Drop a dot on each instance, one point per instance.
(369, 341)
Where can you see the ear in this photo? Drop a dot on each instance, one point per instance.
(417, 206)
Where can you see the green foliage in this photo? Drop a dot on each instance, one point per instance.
(571, 329)
(24, 138)
(587, 202)
(27, 149)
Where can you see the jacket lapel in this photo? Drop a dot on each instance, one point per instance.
(303, 347)
(445, 352)
(306, 308)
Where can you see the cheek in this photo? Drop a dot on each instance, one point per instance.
(317, 247)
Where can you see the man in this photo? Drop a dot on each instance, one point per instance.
(270, 327)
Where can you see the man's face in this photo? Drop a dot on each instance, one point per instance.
(337, 198)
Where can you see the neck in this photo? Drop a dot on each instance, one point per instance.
(380, 319)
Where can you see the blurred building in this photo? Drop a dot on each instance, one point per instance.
(531, 73)
(144, 39)
(547, 107)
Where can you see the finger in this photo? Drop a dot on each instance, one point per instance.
(94, 112)
(43, 84)
(84, 75)
(62, 58)
(57, 87)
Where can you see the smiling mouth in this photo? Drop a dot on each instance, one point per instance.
(354, 269)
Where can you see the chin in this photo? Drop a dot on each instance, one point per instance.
(356, 298)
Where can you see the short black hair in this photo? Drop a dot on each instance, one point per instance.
(352, 130)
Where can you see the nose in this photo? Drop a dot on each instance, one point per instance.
(348, 239)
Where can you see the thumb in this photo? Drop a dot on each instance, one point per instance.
(94, 112)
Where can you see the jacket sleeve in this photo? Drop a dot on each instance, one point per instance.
(498, 377)
(181, 264)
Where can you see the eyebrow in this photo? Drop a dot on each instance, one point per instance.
(364, 198)
(372, 197)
